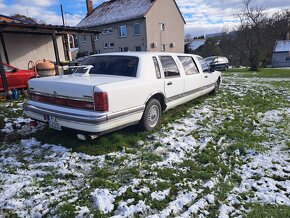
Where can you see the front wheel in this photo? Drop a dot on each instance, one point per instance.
(152, 115)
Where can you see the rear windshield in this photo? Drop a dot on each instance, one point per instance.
(112, 65)
(210, 59)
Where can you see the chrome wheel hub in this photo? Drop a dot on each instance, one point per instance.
(153, 116)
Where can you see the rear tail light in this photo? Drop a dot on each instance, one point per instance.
(62, 101)
(101, 101)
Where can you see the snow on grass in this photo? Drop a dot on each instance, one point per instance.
(160, 195)
(103, 200)
(265, 176)
(225, 154)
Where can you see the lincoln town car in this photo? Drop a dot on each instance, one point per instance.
(111, 91)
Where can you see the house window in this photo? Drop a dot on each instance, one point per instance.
(112, 45)
(105, 45)
(162, 26)
(121, 49)
(84, 38)
(97, 37)
(123, 31)
(287, 59)
(163, 47)
(137, 48)
(169, 67)
(136, 29)
(126, 49)
(189, 65)
(157, 68)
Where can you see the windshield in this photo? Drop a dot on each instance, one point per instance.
(111, 65)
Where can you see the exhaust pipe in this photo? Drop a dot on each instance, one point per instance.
(84, 137)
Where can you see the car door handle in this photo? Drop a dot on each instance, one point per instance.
(205, 76)
(169, 83)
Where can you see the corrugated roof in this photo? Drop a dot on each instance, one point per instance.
(115, 11)
(282, 46)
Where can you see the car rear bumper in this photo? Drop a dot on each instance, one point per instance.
(97, 123)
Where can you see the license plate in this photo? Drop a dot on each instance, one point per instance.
(53, 123)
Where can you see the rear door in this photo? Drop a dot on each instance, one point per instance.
(174, 83)
(193, 80)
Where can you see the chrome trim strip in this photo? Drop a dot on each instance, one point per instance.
(175, 97)
(86, 99)
(126, 112)
(97, 119)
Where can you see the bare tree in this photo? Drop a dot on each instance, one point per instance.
(251, 34)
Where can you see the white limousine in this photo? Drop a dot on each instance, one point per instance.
(111, 91)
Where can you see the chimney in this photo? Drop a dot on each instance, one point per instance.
(89, 7)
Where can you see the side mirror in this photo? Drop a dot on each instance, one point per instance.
(212, 69)
(15, 70)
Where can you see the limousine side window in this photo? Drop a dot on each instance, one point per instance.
(169, 67)
(189, 65)
(157, 68)
(204, 65)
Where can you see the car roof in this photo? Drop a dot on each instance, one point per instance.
(142, 54)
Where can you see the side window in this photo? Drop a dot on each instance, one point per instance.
(204, 65)
(188, 65)
(157, 68)
(169, 66)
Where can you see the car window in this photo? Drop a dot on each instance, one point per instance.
(209, 59)
(8, 69)
(204, 65)
(111, 65)
(169, 66)
(157, 68)
(189, 65)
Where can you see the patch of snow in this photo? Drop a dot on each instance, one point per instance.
(129, 211)
(103, 200)
(160, 195)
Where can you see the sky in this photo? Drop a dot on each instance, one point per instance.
(202, 16)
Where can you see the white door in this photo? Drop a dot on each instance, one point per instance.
(174, 83)
(193, 78)
(208, 79)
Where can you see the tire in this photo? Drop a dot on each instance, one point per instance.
(152, 115)
(216, 86)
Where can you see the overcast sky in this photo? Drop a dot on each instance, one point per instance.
(202, 16)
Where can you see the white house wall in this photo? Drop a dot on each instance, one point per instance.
(22, 48)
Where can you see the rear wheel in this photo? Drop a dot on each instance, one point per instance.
(216, 86)
(151, 116)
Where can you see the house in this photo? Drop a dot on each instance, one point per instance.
(281, 54)
(133, 25)
(21, 42)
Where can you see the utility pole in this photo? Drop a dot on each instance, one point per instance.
(63, 23)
